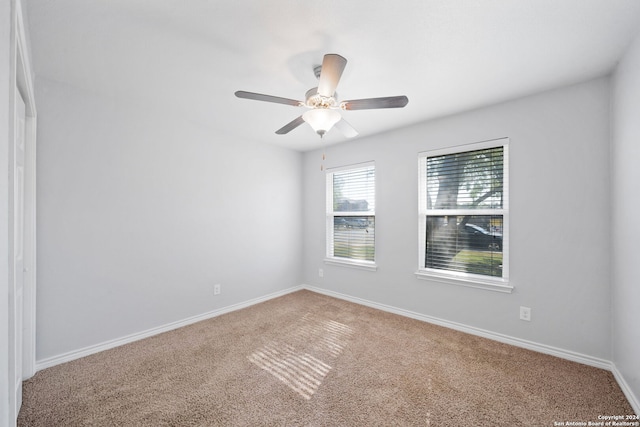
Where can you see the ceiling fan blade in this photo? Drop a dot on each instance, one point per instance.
(332, 68)
(346, 128)
(267, 98)
(372, 103)
(290, 126)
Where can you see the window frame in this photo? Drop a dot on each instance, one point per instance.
(331, 214)
(499, 284)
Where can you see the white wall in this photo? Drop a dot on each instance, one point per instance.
(140, 213)
(625, 202)
(559, 166)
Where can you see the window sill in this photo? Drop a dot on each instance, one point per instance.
(468, 280)
(362, 265)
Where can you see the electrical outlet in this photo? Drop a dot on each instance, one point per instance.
(525, 313)
(216, 289)
(320, 272)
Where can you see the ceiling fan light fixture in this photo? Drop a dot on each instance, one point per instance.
(321, 119)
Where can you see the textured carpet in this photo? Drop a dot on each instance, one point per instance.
(306, 359)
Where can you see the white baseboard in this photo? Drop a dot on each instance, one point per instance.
(530, 345)
(76, 354)
(633, 400)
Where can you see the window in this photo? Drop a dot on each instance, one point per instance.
(463, 215)
(351, 217)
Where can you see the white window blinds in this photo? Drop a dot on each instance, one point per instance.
(351, 213)
(464, 210)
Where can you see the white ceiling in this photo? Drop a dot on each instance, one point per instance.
(189, 56)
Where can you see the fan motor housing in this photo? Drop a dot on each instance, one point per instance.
(314, 100)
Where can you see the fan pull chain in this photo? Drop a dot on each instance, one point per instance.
(323, 158)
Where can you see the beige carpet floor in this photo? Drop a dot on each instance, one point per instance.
(306, 359)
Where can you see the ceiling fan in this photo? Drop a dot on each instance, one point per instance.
(322, 101)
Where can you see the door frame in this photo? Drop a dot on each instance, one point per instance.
(17, 74)
(22, 77)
